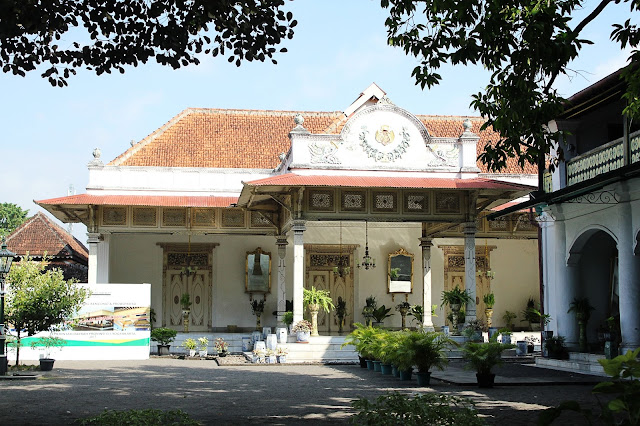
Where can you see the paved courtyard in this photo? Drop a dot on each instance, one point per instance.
(267, 394)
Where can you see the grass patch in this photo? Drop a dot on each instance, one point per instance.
(148, 417)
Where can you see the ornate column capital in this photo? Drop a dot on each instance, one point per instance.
(94, 237)
(426, 242)
(299, 226)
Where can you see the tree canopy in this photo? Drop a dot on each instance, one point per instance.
(525, 45)
(99, 35)
(38, 299)
(11, 216)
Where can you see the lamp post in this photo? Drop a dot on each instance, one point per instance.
(6, 257)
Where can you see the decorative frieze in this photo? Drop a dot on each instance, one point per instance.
(114, 216)
(416, 202)
(385, 202)
(321, 200)
(204, 217)
(353, 201)
(174, 217)
(145, 216)
(448, 202)
(233, 218)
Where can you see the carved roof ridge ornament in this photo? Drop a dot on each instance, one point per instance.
(385, 101)
(385, 107)
(467, 125)
(298, 119)
(96, 162)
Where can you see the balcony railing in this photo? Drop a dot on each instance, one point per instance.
(596, 162)
(634, 146)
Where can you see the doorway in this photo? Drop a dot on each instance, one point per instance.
(321, 260)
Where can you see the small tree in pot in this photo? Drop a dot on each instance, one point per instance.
(49, 342)
(164, 337)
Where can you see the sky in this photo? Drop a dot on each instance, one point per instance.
(339, 48)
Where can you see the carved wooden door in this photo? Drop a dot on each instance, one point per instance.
(320, 261)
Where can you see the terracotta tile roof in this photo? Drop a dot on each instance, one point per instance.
(140, 200)
(222, 139)
(292, 179)
(39, 235)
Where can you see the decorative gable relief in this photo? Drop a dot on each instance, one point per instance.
(379, 137)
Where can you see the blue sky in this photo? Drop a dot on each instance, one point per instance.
(338, 49)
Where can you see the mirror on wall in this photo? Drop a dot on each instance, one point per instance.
(400, 272)
(258, 271)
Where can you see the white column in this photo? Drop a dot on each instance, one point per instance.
(629, 281)
(103, 260)
(426, 244)
(93, 239)
(281, 242)
(298, 269)
(470, 268)
(565, 280)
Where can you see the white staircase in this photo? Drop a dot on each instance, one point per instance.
(321, 349)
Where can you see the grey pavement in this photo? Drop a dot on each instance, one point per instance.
(268, 394)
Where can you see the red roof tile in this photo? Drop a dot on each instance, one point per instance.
(222, 139)
(39, 235)
(141, 200)
(292, 179)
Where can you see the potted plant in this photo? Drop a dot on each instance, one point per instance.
(489, 300)
(379, 314)
(456, 299)
(270, 356)
(505, 334)
(361, 338)
(191, 345)
(555, 347)
(508, 318)
(473, 330)
(417, 312)
(315, 300)
(221, 346)
(582, 308)
(164, 337)
(257, 307)
(287, 319)
(369, 308)
(341, 313)
(281, 353)
(258, 355)
(404, 308)
(425, 351)
(185, 302)
(459, 318)
(49, 342)
(483, 357)
(303, 331)
(203, 342)
(532, 315)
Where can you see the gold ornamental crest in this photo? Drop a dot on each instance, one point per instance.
(385, 135)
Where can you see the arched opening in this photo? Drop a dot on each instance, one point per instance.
(595, 253)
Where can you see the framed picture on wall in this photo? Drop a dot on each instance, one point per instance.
(400, 272)
(258, 271)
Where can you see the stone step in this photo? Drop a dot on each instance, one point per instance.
(584, 367)
(585, 357)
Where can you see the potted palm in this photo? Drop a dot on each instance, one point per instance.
(361, 338)
(456, 299)
(190, 344)
(315, 300)
(483, 357)
(379, 314)
(582, 308)
(49, 342)
(508, 318)
(425, 351)
(164, 337)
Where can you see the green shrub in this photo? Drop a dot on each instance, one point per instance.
(164, 336)
(148, 417)
(427, 409)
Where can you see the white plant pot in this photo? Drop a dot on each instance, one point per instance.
(203, 354)
(192, 352)
(282, 359)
